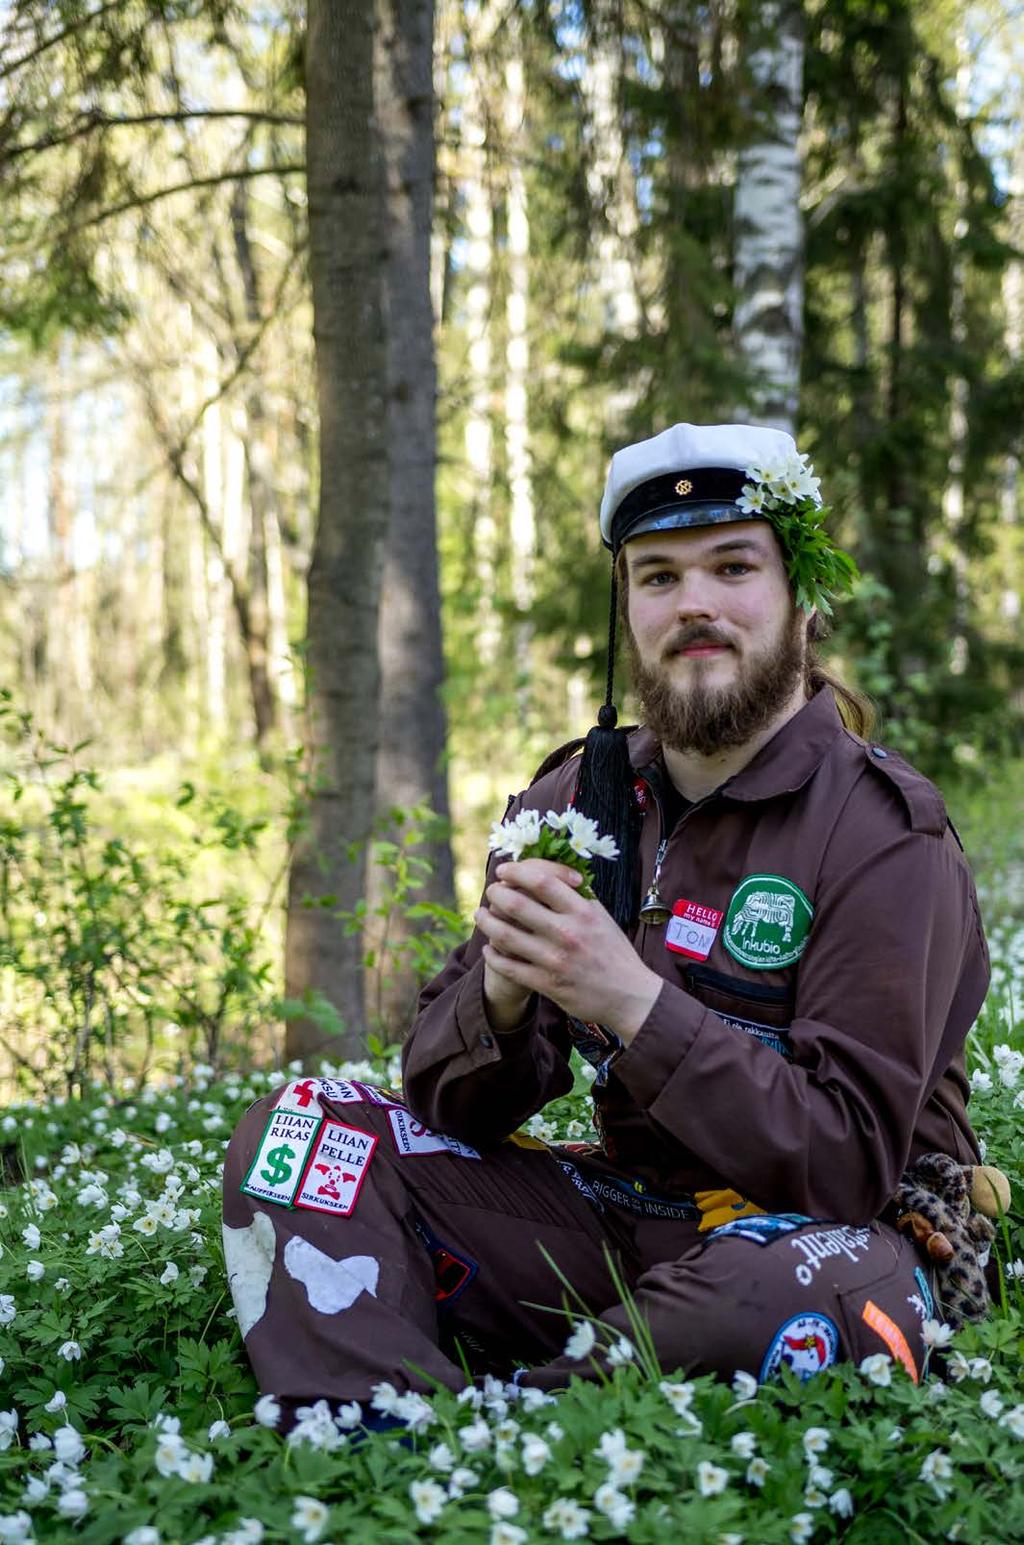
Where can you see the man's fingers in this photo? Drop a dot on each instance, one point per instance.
(512, 939)
(521, 908)
(556, 885)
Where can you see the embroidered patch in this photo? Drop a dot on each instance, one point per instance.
(412, 1136)
(336, 1169)
(304, 1094)
(760, 1230)
(452, 1272)
(926, 1292)
(768, 1035)
(807, 1343)
(692, 929)
(819, 1245)
(331, 1285)
(377, 1096)
(249, 1257)
(582, 1186)
(767, 923)
(275, 1172)
(891, 1334)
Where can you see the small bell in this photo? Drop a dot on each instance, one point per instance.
(654, 911)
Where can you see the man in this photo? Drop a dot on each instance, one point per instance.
(774, 986)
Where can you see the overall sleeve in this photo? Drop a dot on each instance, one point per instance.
(893, 974)
(467, 1079)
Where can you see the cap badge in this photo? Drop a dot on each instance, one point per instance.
(684, 486)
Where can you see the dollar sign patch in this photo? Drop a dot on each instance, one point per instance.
(279, 1165)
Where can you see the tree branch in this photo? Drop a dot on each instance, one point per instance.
(142, 201)
(96, 122)
(58, 37)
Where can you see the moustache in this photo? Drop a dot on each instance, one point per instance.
(687, 638)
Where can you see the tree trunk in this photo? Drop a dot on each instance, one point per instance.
(768, 316)
(522, 521)
(346, 253)
(410, 758)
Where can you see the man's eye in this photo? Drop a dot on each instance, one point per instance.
(664, 576)
(737, 568)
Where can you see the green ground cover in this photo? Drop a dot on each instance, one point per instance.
(128, 1413)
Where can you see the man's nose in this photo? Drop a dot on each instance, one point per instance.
(696, 595)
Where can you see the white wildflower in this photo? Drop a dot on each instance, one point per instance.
(567, 1518)
(7, 1309)
(980, 1369)
(841, 1503)
(146, 1225)
(1015, 1269)
(476, 1437)
(937, 1471)
(267, 1411)
(801, 1527)
(73, 1503)
(744, 1386)
(981, 1082)
(170, 1451)
(935, 1334)
(428, 1499)
(507, 1534)
(169, 1275)
(1013, 1421)
(581, 1342)
(440, 1457)
(70, 1351)
(68, 1445)
(621, 1352)
(39, 1442)
(615, 1506)
(877, 1368)
(711, 1479)
(15, 1527)
(816, 1440)
(462, 1479)
(218, 1429)
(503, 1503)
(161, 1162)
(349, 1415)
(743, 1444)
(32, 1237)
(196, 1468)
(106, 1242)
(536, 1453)
(57, 1401)
(991, 1403)
(308, 1517)
(757, 1471)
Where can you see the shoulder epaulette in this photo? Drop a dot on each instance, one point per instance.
(922, 801)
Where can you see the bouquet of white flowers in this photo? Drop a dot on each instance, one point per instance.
(569, 838)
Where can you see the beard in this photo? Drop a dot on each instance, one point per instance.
(703, 718)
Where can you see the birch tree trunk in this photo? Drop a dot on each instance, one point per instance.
(768, 251)
(522, 520)
(413, 731)
(479, 433)
(346, 255)
(953, 493)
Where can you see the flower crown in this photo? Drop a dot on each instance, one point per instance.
(786, 493)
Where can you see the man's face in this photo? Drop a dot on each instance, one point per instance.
(716, 644)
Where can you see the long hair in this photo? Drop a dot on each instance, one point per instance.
(856, 710)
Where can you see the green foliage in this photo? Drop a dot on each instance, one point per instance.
(108, 948)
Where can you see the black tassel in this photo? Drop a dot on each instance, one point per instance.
(605, 793)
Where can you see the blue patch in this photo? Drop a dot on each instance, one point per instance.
(762, 1229)
(806, 1343)
(768, 1035)
(452, 1272)
(926, 1292)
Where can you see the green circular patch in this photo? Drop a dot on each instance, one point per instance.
(767, 923)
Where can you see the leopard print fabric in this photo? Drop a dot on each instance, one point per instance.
(934, 1194)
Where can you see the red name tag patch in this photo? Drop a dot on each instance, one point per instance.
(692, 929)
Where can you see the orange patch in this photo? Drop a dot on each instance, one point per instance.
(891, 1334)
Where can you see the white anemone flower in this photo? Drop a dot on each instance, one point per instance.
(567, 1518)
(68, 1445)
(937, 1471)
(428, 1499)
(267, 1411)
(877, 1369)
(936, 1334)
(71, 1351)
(309, 1515)
(502, 1503)
(503, 1533)
(536, 1453)
(581, 1342)
(616, 1507)
(711, 1479)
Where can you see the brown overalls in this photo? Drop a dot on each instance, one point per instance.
(822, 967)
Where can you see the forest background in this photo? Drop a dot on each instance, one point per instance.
(318, 324)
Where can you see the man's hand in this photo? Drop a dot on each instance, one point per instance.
(543, 937)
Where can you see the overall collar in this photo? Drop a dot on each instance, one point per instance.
(782, 765)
